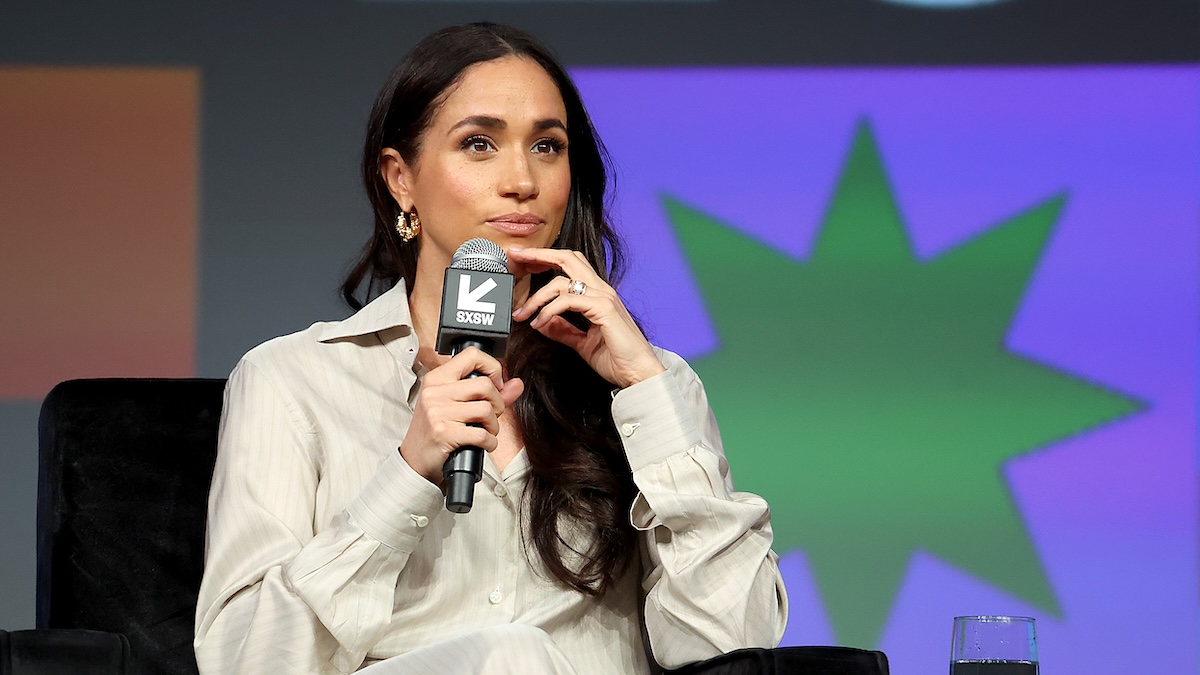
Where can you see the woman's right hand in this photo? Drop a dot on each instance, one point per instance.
(449, 403)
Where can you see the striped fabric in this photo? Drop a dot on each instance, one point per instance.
(327, 553)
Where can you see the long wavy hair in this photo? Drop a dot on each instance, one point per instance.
(580, 480)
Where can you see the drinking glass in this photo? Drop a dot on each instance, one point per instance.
(994, 645)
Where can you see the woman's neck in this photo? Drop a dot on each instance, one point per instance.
(425, 305)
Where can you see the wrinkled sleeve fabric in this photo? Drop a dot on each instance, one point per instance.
(277, 596)
(712, 582)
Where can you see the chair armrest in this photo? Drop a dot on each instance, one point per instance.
(59, 650)
(791, 661)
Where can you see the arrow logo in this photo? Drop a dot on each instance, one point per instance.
(469, 299)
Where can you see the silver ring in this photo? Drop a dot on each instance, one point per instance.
(576, 287)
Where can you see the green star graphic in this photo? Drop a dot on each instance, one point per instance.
(870, 398)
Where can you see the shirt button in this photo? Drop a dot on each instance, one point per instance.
(500, 491)
(496, 597)
(628, 429)
(420, 520)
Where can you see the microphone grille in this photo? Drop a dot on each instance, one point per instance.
(480, 255)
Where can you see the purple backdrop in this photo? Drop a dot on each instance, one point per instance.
(1112, 512)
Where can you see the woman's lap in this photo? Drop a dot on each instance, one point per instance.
(510, 649)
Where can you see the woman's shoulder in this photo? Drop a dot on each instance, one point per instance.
(305, 368)
(289, 349)
(388, 310)
(330, 341)
(309, 359)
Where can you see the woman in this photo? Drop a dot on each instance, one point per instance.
(605, 520)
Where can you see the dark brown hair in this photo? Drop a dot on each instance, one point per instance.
(580, 479)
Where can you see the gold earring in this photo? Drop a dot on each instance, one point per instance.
(408, 225)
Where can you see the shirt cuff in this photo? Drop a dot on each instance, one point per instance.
(653, 420)
(397, 504)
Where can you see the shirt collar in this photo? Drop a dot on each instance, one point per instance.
(386, 311)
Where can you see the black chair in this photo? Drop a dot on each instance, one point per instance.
(124, 471)
(56, 652)
(792, 661)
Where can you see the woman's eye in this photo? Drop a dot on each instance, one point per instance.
(549, 146)
(477, 144)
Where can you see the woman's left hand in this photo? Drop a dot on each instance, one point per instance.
(613, 345)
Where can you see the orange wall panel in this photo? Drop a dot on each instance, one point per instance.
(98, 224)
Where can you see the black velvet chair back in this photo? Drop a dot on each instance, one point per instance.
(124, 472)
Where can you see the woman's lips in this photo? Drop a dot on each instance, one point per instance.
(516, 223)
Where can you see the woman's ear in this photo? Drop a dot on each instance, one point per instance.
(397, 175)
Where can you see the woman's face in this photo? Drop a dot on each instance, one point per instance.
(493, 162)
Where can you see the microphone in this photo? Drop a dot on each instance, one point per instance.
(476, 312)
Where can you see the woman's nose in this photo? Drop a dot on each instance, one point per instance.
(519, 180)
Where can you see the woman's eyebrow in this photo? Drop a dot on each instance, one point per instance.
(485, 121)
(549, 123)
(489, 122)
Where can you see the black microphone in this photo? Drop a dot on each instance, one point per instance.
(476, 312)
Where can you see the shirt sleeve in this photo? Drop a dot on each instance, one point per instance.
(712, 582)
(278, 597)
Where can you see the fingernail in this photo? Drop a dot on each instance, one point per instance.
(516, 248)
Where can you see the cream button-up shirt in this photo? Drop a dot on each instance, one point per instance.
(325, 550)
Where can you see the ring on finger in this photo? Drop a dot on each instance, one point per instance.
(576, 287)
